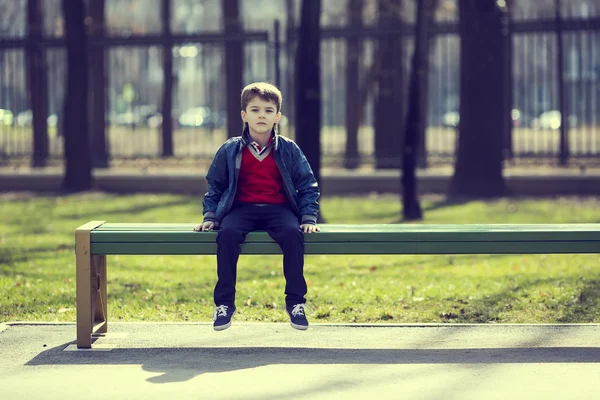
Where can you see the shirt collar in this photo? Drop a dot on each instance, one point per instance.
(255, 145)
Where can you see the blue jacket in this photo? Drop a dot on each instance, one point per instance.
(300, 185)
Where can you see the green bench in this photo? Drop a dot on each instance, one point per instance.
(97, 239)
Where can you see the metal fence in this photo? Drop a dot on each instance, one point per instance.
(135, 82)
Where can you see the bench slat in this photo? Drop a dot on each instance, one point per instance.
(448, 247)
(384, 228)
(183, 233)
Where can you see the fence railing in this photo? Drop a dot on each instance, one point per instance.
(135, 78)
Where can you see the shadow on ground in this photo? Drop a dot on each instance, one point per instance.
(182, 364)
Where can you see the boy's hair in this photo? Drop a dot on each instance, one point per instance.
(265, 91)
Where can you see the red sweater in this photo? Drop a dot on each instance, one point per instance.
(259, 182)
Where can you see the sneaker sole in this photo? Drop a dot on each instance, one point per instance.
(223, 327)
(299, 327)
(296, 326)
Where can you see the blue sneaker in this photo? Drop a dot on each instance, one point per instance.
(297, 317)
(222, 317)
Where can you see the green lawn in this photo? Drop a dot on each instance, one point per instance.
(37, 269)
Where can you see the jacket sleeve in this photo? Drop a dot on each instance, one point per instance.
(216, 178)
(307, 187)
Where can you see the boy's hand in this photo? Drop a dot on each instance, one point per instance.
(310, 228)
(205, 226)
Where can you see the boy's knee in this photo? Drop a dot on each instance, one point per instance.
(292, 232)
(228, 234)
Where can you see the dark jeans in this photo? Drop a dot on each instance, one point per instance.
(282, 225)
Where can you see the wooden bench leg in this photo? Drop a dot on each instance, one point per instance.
(84, 269)
(100, 313)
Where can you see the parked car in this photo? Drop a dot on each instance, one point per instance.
(201, 117)
(154, 121)
(146, 112)
(551, 120)
(6, 117)
(194, 117)
(25, 118)
(52, 120)
(136, 116)
(451, 119)
(127, 118)
(519, 118)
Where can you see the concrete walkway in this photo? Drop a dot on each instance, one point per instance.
(274, 361)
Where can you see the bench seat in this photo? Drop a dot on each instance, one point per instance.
(174, 239)
(96, 240)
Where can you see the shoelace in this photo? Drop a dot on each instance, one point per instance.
(221, 311)
(298, 309)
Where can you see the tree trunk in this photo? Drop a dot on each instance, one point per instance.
(37, 79)
(507, 103)
(234, 66)
(388, 103)
(167, 98)
(307, 121)
(290, 49)
(416, 117)
(78, 170)
(478, 165)
(353, 100)
(98, 96)
(563, 157)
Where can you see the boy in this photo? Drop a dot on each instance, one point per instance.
(260, 181)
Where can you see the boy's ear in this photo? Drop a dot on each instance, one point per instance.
(278, 116)
(243, 114)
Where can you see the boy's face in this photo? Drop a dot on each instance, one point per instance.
(261, 115)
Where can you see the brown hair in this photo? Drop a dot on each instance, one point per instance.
(265, 91)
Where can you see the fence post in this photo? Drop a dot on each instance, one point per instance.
(98, 84)
(563, 157)
(234, 64)
(277, 51)
(167, 100)
(37, 82)
(354, 44)
(508, 83)
(290, 84)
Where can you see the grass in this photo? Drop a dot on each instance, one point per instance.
(37, 270)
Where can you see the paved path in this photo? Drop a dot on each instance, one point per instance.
(274, 361)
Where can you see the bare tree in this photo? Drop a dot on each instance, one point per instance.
(78, 171)
(234, 65)
(37, 82)
(98, 78)
(388, 102)
(290, 52)
(307, 121)
(416, 117)
(353, 100)
(478, 165)
(167, 98)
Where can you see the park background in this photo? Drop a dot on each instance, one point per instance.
(434, 111)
